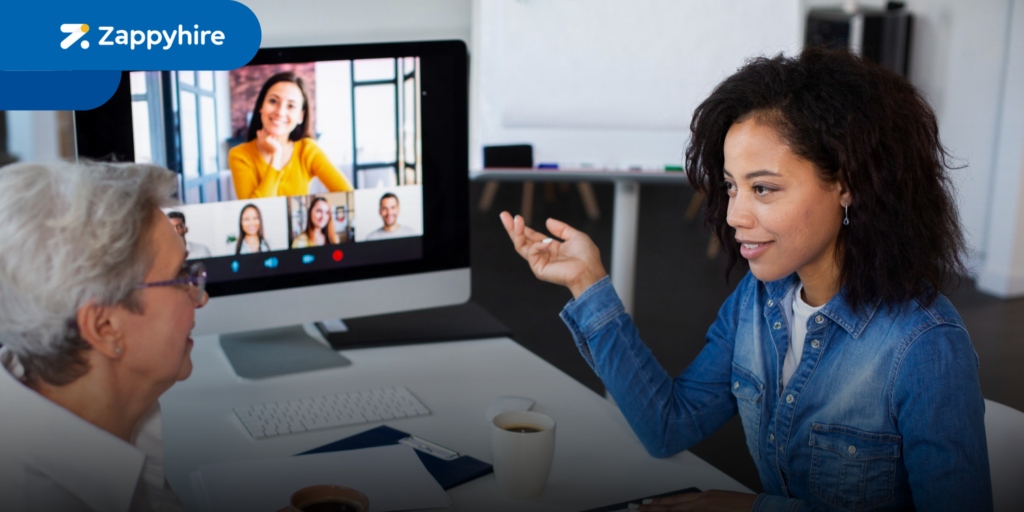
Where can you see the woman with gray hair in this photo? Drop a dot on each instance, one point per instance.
(96, 306)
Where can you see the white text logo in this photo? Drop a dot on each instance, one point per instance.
(150, 38)
(133, 38)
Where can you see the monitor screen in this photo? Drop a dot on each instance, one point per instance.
(292, 167)
(309, 165)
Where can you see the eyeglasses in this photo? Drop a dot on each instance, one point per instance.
(192, 274)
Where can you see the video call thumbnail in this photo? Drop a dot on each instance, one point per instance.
(232, 228)
(286, 156)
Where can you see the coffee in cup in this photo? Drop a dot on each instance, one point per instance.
(522, 428)
(523, 448)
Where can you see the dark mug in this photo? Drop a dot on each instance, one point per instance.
(328, 498)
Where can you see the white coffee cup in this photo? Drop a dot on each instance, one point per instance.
(522, 460)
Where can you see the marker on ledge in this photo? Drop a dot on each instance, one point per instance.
(548, 165)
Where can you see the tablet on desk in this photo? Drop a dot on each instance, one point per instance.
(625, 504)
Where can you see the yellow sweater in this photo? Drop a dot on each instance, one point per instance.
(254, 177)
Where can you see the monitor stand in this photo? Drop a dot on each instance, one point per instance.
(280, 351)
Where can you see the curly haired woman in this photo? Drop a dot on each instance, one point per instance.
(853, 375)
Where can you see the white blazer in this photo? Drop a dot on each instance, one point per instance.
(52, 460)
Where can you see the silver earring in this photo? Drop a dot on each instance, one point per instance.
(117, 350)
(846, 214)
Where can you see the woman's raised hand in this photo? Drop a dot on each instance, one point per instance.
(269, 145)
(574, 262)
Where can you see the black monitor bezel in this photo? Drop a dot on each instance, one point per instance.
(105, 133)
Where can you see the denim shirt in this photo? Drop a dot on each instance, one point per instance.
(884, 411)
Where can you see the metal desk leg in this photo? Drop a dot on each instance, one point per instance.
(526, 210)
(625, 223)
(487, 197)
(589, 200)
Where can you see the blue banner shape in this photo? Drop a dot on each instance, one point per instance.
(56, 90)
(121, 35)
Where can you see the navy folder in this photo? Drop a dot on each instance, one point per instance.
(448, 473)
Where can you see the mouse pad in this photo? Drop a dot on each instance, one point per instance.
(625, 504)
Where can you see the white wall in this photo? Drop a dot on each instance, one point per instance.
(316, 22)
(964, 83)
(33, 136)
(608, 82)
(1003, 271)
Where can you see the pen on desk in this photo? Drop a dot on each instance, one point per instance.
(428, 447)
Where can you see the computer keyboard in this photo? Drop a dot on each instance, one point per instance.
(302, 415)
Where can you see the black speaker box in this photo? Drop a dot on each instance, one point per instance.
(520, 155)
(881, 36)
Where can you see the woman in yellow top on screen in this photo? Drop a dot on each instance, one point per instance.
(280, 158)
(319, 226)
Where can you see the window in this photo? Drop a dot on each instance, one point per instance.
(375, 122)
(198, 150)
(147, 117)
(385, 104)
(410, 155)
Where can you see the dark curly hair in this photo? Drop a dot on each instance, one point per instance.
(864, 126)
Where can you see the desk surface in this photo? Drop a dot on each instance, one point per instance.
(598, 460)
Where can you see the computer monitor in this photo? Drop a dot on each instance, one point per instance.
(368, 214)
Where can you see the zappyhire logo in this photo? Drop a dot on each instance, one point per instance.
(127, 34)
(161, 39)
(78, 66)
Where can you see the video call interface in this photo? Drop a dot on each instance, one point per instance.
(288, 167)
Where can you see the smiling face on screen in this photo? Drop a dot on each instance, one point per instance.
(251, 222)
(321, 214)
(282, 108)
(389, 211)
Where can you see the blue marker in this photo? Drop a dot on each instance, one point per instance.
(307, 258)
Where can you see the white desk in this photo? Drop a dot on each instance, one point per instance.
(625, 217)
(598, 460)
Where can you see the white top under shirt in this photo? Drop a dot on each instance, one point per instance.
(801, 313)
(401, 231)
(52, 460)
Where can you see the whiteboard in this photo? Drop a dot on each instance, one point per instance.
(611, 82)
